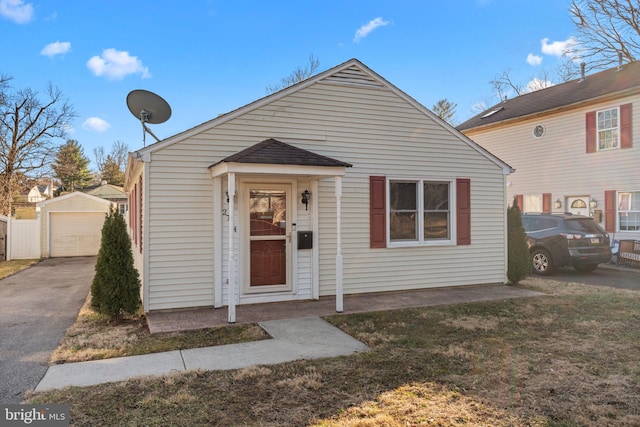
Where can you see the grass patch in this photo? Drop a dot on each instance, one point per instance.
(8, 268)
(92, 337)
(571, 358)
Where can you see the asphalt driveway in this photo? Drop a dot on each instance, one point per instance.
(37, 305)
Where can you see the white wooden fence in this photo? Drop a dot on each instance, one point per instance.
(23, 238)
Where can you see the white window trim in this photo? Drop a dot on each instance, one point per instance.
(618, 210)
(598, 129)
(451, 241)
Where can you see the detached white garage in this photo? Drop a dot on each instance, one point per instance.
(72, 225)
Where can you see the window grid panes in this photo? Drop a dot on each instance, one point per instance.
(436, 210)
(419, 211)
(608, 129)
(629, 211)
(403, 209)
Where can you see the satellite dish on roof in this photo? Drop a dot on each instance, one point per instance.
(148, 108)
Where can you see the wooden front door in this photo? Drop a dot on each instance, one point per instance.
(269, 237)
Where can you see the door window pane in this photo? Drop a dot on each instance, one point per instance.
(267, 209)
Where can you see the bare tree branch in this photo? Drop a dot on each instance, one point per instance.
(605, 29)
(299, 74)
(28, 128)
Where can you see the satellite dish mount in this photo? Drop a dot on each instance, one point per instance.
(148, 108)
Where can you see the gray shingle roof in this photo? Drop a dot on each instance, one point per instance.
(274, 152)
(596, 85)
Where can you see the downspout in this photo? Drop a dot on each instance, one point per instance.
(217, 242)
(146, 264)
(339, 283)
(505, 204)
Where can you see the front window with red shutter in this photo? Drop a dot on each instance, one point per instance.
(629, 211)
(608, 129)
(419, 211)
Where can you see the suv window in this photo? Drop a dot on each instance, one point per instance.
(537, 224)
(583, 225)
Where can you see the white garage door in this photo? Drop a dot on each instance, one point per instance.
(75, 233)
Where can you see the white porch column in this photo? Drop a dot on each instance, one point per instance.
(231, 188)
(339, 284)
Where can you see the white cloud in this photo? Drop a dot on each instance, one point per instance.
(534, 59)
(116, 65)
(56, 48)
(537, 84)
(367, 28)
(16, 11)
(558, 48)
(96, 124)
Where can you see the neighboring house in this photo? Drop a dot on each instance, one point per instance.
(340, 184)
(575, 147)
(113, 193)
(39, 193)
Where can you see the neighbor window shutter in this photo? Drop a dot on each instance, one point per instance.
(377, 212)
(546, 202)
(519, 201)
(610, 211)
(625, 126)
(463, 211)
(591, 132)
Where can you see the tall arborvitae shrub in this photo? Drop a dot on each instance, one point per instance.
(116, 286)
(519, 262)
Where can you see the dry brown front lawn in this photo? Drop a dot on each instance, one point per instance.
(8, 268)
(571, 358)
(92, 337)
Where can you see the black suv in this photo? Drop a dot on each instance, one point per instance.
(555, 240)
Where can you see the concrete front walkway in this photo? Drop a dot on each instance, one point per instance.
(293, 339)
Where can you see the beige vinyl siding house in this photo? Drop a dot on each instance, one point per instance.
(574, 147)
(216, 212)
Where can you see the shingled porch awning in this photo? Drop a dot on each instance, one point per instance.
(275, 158)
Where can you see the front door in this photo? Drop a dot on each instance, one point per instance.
(269, 234)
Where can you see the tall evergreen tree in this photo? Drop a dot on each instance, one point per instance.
(71, 166)
(446, 110)
(112, 165)
(519, 260)
(115, 289)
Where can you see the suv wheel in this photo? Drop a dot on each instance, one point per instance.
(542, 262)
(585, 268)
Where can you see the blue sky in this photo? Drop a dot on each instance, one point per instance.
(208, 57)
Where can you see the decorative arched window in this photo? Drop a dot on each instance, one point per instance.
(578, 204)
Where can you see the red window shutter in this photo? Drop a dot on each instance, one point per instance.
(377, 212)
(610, 211)
(134, 214)
(591, 132)
(519, 201)
(140, 212)
(463, 211)
(625, 126)
(546, 202)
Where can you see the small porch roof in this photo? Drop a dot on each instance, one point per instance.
(270, 155)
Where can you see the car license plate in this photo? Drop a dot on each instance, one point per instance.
(595, 241)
